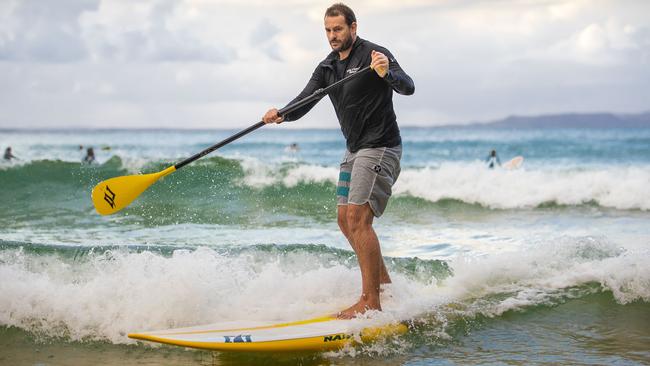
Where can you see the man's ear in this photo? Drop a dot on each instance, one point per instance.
(353, 28)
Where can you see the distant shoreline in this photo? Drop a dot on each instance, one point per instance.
(566, 120)
(561, 120)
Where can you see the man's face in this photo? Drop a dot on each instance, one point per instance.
(339, 34)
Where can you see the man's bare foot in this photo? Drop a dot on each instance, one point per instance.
(386, 290)
(357, 309)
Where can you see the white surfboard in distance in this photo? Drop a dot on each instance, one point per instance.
(514, 163)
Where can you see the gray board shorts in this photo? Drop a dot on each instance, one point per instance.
(368, 175)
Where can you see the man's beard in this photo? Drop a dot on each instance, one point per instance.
(345, 44)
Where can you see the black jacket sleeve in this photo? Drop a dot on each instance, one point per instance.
(397, 78)
(316, 82)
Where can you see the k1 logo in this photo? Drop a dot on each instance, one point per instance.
(242, 338)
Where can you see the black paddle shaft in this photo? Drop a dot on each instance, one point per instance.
(317, 95)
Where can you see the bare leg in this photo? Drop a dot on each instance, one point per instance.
(384, 278)
(366, 245)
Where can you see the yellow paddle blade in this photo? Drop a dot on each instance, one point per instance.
(116, 193)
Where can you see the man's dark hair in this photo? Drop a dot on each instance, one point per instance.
(341, 9)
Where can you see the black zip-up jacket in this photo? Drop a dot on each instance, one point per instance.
(363, 106)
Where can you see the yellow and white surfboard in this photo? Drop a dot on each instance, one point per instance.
(319, 334)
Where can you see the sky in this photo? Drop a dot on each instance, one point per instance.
(222, 64)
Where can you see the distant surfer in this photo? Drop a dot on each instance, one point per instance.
(371, 163)
(493, 159)
(90, 156)
(8, 154)
(292, 148)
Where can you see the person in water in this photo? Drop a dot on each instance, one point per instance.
(293, 148)
(493, 159)
(371, 163)
(8, 155)
(90, 156)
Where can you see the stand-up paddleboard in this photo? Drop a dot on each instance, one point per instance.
(319, 334)
(514, 163)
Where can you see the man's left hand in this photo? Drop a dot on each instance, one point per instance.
(379, 63)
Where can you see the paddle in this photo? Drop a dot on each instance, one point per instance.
(116, 193)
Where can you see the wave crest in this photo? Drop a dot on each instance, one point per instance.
(617, 187)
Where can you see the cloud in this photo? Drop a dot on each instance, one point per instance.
(264, 32)
(126, 31)
(262, 38)
(606, 43)
(222, 63)
(38, 31)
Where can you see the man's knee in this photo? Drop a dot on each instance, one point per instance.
(358, 217)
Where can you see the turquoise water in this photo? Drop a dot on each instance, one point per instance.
(543, 264)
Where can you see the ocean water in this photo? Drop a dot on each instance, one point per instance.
(546, 264)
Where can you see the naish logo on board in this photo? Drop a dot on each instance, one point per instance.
(242, 338)
(336, 337)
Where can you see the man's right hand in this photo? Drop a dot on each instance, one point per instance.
(272, 116)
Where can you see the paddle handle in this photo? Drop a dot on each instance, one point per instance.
(318, 94)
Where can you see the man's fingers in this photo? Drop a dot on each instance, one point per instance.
(379, 63)
(278, 119)
(377, 54)
(272, 116)
(378, 60)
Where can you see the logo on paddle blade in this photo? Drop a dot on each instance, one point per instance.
(109, 198)
(242, 338)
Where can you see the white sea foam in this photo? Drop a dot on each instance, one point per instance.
(540, 274)
(118, 292)
(260, 174)
(135, 165)
(310, 174)
(614, 185)
(113, 293)
(617, 187)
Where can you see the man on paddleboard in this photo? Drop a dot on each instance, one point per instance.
(371, 163)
